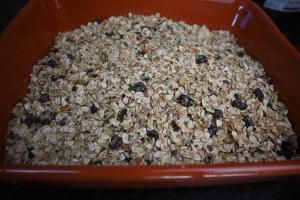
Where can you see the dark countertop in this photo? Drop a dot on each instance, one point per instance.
(284, 188)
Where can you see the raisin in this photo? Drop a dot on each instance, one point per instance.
(123, 95)
(152, 134)
(46, 117)
(148, 161)
(55, 78)
(175, 126)
(115, 142)
(94, 75)
(208, 159)
(30, 154)
(110, 34)
(70, 56)
(121, 115)
(174, 152)
(259, 94)
(185, 100)
(94, 109)
(248, 121)
(288, 148)
(51, 63)
(62, 122)
(240, 53)
(213, 129)
(209, 148)
(237, 96)
(74, 88)
(54, 50)
(30, 120)
(218, 114)
(200, 59)
(239, 104)
(44, 98)
(138, 87)
(128, 159)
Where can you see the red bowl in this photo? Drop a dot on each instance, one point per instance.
(31, 34)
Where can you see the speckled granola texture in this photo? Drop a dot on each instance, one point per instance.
(145, 90)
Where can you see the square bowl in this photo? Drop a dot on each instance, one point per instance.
(31, 34)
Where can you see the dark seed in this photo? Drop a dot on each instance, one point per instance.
(240, 53)
(200, 59)
(174, 152)
(213, 129)
(148, 161)
(248, 121)
(74, 88)
(239, 104)
(30, 120)
(121, 115)
(52, 63)
(123, 95)
(55, 78)
(115, 142)
(44, 98)
(218, 114)
(94, 109)
(185, 100)
(138, 87)
(288, 148)
(259, 94)
(30, 154)
(152, 134)
(46, 117)
(110, 34)
(175, 126)
(62, 122)
(237, 96)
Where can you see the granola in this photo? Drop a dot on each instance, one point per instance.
(146, 90)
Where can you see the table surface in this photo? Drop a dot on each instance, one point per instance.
(285, 188)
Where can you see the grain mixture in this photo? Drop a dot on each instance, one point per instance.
(146, 90)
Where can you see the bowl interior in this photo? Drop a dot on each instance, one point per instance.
(30, 36)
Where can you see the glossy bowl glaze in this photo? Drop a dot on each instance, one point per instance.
(31, 34)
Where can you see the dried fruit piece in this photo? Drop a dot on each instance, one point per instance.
(288, 147)
(174, 152)
(240, 53)
(46, 117)
(248, 121)
(259, 94)
(152, 134)
(239, 104)
(94, 108)
(121, 115)
(218, 114)
(44, 98)
(30, 120)
(213, 129)
(138, 87)
(115, 142)
(55, 78)
(52, 63)
(30, 153)
(185, 100)
(175, 126)
(200, 59)
(110, 34)
(74, 88)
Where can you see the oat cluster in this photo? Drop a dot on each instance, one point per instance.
(145, 90)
